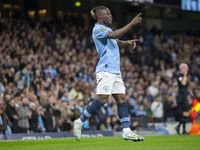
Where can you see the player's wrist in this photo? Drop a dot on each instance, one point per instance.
(132, 23)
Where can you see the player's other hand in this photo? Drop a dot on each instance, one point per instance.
(137, 19)
(133, 43)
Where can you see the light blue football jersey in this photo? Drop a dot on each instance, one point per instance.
(107, 49)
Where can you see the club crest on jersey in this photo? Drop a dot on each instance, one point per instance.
(103, 30)
(106, 88)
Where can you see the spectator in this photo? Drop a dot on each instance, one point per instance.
(147, 107)
(50, 61)
(75, 92)
(141, 112)
(153, 89)
(50, 104)
(2, 89)
(169, 109)
(43, 98)
(33, 120)
(7, 97)
(65, 97)
(100, 117)
(41, 119)
(108, 126)
(50, 70)
(66, 114)
(12, 115)
(3, 120)
(157, 109)
(115, 123)
(50, 121)
(24, 114)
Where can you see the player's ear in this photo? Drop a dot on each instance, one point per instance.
(99, 16)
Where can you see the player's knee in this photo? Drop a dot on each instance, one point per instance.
(122, 100)
(102, 98)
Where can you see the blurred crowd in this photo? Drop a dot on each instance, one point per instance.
(47, 76)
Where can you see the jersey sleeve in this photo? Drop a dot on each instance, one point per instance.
(101, 32)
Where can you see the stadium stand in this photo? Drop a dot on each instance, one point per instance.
(51, 65)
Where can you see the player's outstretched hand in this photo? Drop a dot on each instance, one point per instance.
(137, 19)
(133, 43)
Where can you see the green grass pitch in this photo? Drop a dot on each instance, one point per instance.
(170, 142)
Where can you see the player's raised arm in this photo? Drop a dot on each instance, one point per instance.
(120, 32)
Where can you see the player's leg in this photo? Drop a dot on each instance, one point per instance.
(118, 92)
(93, 106)
(104, 86)
(180, 112)
(177, 128)
(90, 109)
(184, 131)
(186, 113)
(124, 119)
(185, 119)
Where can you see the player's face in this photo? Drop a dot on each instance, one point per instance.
(106, 16)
